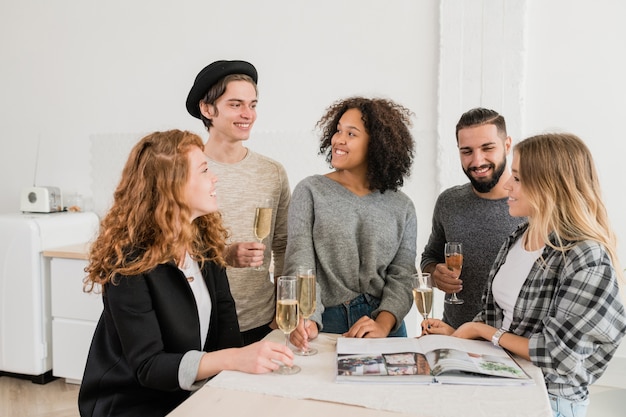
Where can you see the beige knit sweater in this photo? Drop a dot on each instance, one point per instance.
(240, 186)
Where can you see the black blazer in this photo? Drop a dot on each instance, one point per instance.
(149, 322)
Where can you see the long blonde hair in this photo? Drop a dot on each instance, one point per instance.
(149, 222)
(560, 180)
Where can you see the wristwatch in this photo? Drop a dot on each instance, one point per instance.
(495, 339)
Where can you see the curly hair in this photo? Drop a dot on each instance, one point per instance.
(391, 146)
(149, 222)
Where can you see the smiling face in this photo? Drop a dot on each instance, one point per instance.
(199, 191)
(350, 143)
(483, 155)
(518, 201)
(234, 112)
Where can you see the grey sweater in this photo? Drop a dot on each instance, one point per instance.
(482, 226)
(358, 245)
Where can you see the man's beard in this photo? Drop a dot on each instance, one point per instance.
(486, 186)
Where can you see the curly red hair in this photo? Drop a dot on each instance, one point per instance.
(149, 222)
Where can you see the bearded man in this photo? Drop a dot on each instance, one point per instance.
(475, 214)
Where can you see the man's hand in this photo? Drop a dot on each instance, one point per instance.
(245, 254)
(446, 280)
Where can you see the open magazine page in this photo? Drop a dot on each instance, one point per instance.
(429, 359)
(374, 361)
(453, 355)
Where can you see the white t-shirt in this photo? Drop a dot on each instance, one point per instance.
(509, 280)
(200, 293)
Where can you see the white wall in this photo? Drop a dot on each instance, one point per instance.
(80, 68)
(576, 82)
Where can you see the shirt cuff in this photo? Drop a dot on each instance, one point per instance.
(188, 370)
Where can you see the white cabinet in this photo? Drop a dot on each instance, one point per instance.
(25, 302)
(74, 315)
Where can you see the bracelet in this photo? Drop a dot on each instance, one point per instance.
(495, 339)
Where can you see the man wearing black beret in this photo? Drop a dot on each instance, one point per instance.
(224, 97)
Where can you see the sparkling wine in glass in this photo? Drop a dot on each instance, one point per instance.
(454, 262)
(423, 293)
(287, 314)
(306, 300)
(263, 222)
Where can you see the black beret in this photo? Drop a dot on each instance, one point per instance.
(211, 74)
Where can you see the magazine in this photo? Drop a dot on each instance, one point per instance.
(427, 360)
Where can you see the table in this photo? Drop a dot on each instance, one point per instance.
(313, 392)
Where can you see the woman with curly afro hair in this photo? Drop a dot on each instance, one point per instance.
(354, 225)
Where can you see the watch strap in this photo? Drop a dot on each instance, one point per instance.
(495, 339)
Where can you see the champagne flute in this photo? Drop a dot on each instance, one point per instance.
(263, 222)
(423, 294)
(454, 262)
(287, 314)
(306, 300)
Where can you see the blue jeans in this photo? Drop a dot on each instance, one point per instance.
(339, 318)
(562, 407)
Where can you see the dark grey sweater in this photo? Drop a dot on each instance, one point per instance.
(482, 226)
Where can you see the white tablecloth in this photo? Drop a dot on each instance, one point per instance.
(317, 381)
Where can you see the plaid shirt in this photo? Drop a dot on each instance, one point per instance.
(570, 309)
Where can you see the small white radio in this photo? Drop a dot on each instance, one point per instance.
(41, 200)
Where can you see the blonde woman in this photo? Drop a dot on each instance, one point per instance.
(169, 320)
(552, 295)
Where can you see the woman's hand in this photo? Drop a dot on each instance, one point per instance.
(300, 336)
(262, 357)
(367, 327)
(436, 326)
(470, 330)
(475, 330)
(257, 358)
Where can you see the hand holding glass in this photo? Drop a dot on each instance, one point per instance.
(423, 294)
(454, 262)
(287, 314)
(306, 301)
(263, 222)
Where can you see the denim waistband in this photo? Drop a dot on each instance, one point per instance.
(362, 299)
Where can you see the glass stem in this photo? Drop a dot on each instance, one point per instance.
(287, 346)
(303, 349)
